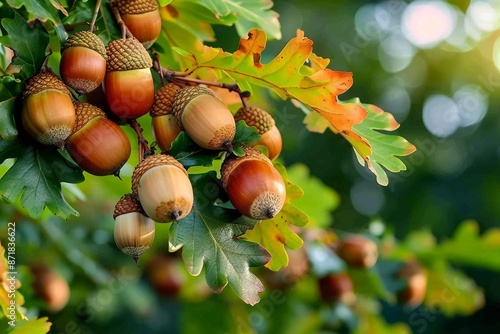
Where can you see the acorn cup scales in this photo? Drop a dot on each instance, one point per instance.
(270, 136)
(164, 124)
(204, 117)
(47, 114)
(128, 83)
(163, 187)
(134, 232)
(83, 61)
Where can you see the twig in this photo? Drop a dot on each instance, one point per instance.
(157, 67)
(143, 143)
(94, 17)
(123, 27)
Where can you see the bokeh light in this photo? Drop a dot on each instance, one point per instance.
(441, 116)
(367, 197)
(472, 104)
(427, 23)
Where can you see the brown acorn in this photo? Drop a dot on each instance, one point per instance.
(163, 187)
(49, 286)
(415, 278)
(98, 146)
(337, 288)
(165, 126)
(357, 251)
(83, 61)
(128, 83)
(204, 117)
(134, 232)
(47, 114)
(142, 18)
(270, 135)
(254, 186)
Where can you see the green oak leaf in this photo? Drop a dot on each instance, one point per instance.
(44, 10)
(370, 320)
(29, 44)
(35, 179)
(318, 200)
(108, 29)
(385, 148)
(245, 134)
(10, 149)
(210, 238)
(275, 233)
(451, 291)
(32, 326)
(189, 154)
(10, 87)
(249, 14)
(468, 247)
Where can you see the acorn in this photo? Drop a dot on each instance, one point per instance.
(163, 187)
(83, 61)
(337, 287)
(254, 186)
(270, 135)
(142, 18)
(134, 232)
(49, 286)
(47, 114)
(205, 118)
(413, 294)
(165, 126)
(99, 146)
(128, 83)
(357, 251)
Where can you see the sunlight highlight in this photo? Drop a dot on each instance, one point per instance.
(427, 23)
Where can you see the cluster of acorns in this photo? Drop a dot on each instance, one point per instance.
(161, 189)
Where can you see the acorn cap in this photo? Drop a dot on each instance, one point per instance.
(136, 6)
(127, 204)
(127, 54)
(150, 162)
(85, 112)
(45, 80)
(164, 99)
(86, 39)
(184, 96)
(231, 162)
(257, 117)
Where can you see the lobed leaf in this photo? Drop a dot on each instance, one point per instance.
(44, 10)
(385, 148)
(247, 14)
(36, 178)
(451, 291)
(318, 200)
(210, 238)
(10, 87)
(313, 86)
(29, 45)
(275, 233)
(468, 247)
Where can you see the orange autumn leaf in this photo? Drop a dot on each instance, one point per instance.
(297, 73)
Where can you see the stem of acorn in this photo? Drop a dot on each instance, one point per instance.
(125, 32)
(143, 143)
(157, 67)
(94, 17)
(182, 76)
